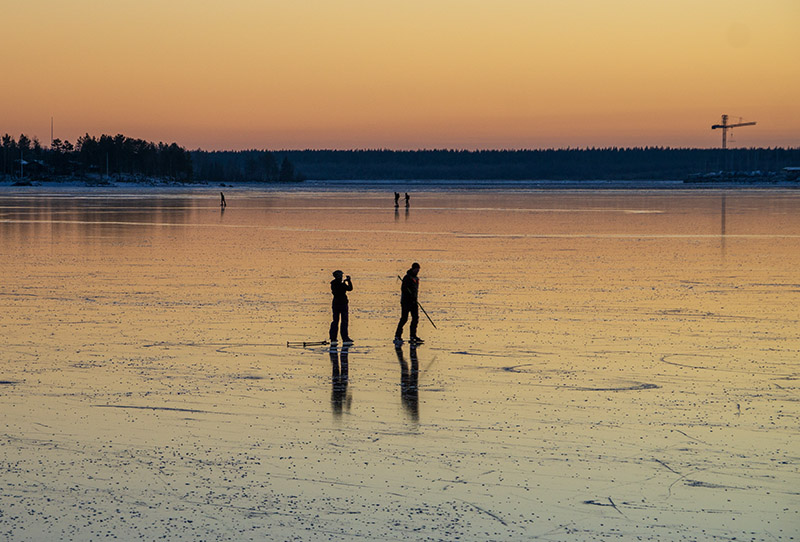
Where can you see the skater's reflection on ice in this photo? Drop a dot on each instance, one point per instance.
(340, 399)
(409, 379)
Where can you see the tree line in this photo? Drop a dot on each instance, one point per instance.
(104, 156)
(128, 159)
(653, 163)
(242, 166)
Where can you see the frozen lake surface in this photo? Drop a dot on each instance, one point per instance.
(607, 365)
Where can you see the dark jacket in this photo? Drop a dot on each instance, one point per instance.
(339, 289)
(409, 289)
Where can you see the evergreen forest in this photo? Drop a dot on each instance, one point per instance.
(647, 163)
(127, 159)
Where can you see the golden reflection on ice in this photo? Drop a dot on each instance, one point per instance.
(606, 364)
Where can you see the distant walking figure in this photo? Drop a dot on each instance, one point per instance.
(408, 304)
(222, 200)
(339, 289)
(407, 198)
(397, 199)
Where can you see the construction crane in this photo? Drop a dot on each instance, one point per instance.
(725, 127)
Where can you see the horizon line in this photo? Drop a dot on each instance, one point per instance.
(426, 149)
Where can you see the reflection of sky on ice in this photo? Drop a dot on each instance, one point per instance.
(605, 363)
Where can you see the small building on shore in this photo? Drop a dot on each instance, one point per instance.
(792, 173)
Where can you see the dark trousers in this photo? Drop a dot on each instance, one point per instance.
(340, 312)
(407, 308)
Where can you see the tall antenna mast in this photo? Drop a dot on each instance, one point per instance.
(51, 132)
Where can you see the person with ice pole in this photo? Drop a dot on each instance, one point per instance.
(409, 305)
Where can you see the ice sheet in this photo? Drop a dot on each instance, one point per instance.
(606, 365)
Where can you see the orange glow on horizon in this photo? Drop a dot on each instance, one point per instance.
(443, 74)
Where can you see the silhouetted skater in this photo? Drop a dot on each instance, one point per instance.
(407, 198)
(408, 304)
(222, 202)
(396, 199)
(339, 378)
(339, 289)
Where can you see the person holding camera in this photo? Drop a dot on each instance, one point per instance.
(339, 289)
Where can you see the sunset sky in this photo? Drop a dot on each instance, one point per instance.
(403, 75)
